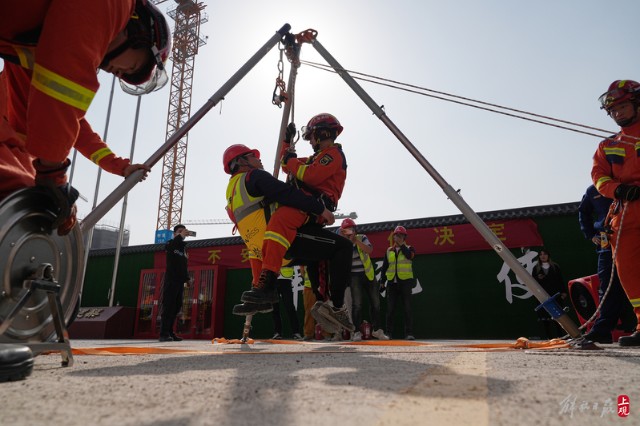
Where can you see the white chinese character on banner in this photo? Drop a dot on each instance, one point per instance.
(503, 276)
(297, 285)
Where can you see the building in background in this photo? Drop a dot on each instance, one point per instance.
(106, 236)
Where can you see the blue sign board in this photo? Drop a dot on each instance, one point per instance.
(163, 235)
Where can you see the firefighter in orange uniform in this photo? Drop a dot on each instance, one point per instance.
(616, 175)
(250, 195)
(51, 51)
(322, 175)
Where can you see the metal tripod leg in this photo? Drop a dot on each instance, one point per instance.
(112, 199)
(494, 242)
(246, 329)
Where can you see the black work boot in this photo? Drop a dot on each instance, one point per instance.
(631, 340)
(599, 337)
(16, 362)
(249, 308)
(264, 291)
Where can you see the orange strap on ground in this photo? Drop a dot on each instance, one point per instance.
(519, 344)
(127, 350)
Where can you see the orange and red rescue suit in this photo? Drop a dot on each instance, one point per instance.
(51, 51)
(322, 175)
(617, 162)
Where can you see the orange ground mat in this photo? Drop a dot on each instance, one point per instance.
(519, 344)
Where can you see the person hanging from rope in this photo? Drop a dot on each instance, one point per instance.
(616, 174)
(251, 195)
(51, 51)
(323, 176)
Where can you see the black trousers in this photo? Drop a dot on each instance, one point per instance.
(360, 285)
(171, 303)
(616, 305)
(286, 296)
(314, 244)
(399, 291)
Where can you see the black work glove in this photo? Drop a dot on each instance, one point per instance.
(54, 180)
(288, 155)
(290, 133)
(627, 192)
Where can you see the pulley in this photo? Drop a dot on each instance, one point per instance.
(27, 242)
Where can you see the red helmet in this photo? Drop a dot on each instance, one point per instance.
(347, 223)
(233, 152)
(147, 28)
(400, 230)
(319, 122)
(620, 91)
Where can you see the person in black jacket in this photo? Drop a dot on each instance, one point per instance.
(549, 276)
(175, 279)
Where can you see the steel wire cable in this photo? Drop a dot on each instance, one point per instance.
(466, 101)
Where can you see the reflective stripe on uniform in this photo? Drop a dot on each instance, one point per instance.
(602, 180)
(615, 155)
(25, 56)
(635, 303)
(60, 88)
(300, 172)
(100, 154)
(275, 237)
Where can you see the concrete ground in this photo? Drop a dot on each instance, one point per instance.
(325, 383)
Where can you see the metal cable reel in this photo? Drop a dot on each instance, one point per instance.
(33, 256)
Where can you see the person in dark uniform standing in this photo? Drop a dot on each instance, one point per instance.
(175, 279)
(592, 214)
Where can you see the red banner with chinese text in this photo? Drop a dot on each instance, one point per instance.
(456, 238)
(440, 239)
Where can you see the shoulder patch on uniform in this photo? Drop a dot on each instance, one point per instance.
(326, 159)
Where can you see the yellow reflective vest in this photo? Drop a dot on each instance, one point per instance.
(366, 261)
(398, 262)
(287, 271)
(307, 281)
(248, 213)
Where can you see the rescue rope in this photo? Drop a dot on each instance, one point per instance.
(461, 100)
(613, 270)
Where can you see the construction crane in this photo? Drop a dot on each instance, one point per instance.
(195, 222)
(188, 17)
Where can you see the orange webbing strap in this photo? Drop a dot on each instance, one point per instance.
(222, 340)
(128, 350)
(522, 343)
(306, 36)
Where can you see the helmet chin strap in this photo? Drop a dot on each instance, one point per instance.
(114, 54)
(629, 121)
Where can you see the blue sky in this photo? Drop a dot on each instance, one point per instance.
(548, 57)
